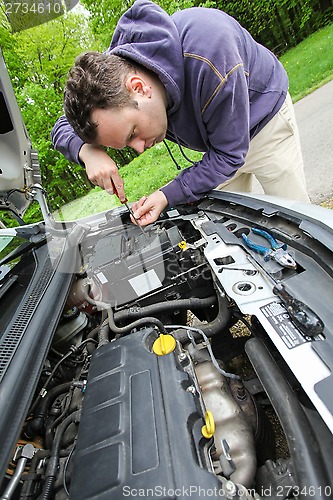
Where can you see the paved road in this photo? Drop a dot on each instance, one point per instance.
(314, 114)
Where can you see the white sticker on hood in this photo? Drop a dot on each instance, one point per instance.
(145, 282)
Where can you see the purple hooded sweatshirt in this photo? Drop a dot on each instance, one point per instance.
(222, 88)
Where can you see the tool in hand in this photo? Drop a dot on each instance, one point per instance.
(136, 220)
(125, 202)
(277, 251)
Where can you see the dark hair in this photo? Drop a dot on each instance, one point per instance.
(96, 81)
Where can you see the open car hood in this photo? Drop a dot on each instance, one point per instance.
(19, 167)
(113, 343)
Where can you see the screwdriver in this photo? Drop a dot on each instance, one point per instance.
(306, 320)
(136, 220)
(125, 202)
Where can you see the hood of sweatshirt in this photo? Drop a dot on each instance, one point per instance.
(147, 35)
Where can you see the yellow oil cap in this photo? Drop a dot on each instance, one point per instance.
(208, 429)
(164, 344)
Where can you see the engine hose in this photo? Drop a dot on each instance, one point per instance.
(103, 334)
(139, 323)
(139, 312)
(52, 466)
(49, 434)
(36, 424)
(96, 333)
(36, 402)
(125, 329)
(220, 323)
(304, 451)
(222, 320)
(52, 423)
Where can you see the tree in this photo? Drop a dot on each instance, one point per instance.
(38, 61)
(105, 14)
(279, 24)
(103, 18)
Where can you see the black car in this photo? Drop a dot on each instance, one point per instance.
(191, 360)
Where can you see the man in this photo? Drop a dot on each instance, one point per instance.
(197, 78)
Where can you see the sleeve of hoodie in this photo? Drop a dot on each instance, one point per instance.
(65, 140)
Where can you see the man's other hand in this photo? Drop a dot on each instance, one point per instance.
(102, 170)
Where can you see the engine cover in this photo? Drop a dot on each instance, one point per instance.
(140, 427)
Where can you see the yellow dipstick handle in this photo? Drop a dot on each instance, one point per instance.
(208, 429)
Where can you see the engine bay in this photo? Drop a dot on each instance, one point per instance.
(173, 368)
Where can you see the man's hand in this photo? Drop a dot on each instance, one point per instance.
(147, 210)
(102, 170)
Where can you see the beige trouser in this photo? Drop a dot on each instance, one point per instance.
(274, 158)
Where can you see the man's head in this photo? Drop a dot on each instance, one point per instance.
(96, 81)
(111, 101)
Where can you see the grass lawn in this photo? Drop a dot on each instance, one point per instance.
(309, 65)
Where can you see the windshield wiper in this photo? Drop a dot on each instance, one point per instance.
(23, 249)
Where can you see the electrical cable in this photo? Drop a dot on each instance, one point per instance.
(72, 350)
(65, 469)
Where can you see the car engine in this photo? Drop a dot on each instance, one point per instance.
(171, 369)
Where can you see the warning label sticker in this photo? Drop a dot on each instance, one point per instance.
(278, 317)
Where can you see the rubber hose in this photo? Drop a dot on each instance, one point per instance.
(139, 312)
(125, 329)
(52, 466)
(36, 424)
(304, 450)
(103, 334)
(218, 324)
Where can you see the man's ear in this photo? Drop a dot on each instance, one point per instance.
(137, 85)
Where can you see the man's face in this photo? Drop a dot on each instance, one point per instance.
(140, 128)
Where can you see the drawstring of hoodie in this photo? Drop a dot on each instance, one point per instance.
(180, 148)
(171, 155)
